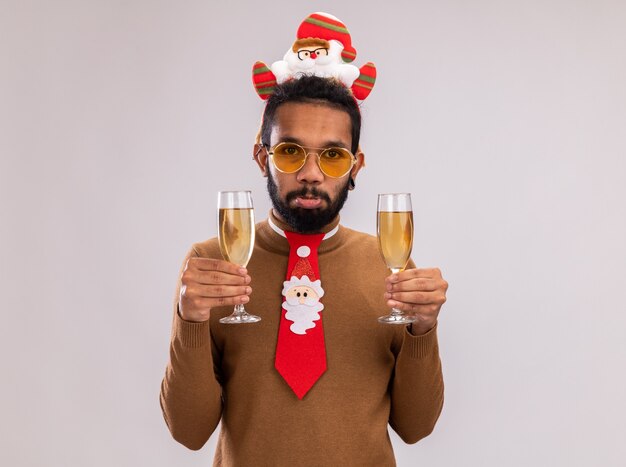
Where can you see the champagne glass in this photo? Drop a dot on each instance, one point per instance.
(236, 237)
(395, 240)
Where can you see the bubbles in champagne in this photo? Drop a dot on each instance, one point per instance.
(236, 234)
(395, 238)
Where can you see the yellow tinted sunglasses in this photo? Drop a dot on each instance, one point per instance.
(334, 162)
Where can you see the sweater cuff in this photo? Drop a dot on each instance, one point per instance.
(421, 346)
(190, 334)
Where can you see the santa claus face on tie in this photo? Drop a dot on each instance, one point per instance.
(301, 295)
(302, 303)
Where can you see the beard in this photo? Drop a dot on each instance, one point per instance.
(306, 221)
(302, 316)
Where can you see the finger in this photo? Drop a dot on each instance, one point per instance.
(216, 291)
(215, 278)
(212, 264)
(418, 298)
(418, 284)
(426, 311)
(202, 303)
(432, 273)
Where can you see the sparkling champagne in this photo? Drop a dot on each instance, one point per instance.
(395, 238)
(236, 234)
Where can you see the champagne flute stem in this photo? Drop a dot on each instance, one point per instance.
(395, 311)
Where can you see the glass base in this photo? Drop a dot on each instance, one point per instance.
(240, 316)
(397, 319)
(240, 319)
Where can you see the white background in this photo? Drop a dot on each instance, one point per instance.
(120, 120)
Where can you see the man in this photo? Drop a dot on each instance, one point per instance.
(373, 375)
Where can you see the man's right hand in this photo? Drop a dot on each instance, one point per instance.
(207, 283)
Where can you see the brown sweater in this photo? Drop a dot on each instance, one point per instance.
(377, 374)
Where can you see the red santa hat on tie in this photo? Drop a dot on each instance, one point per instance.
(303, 265)
(324, 26)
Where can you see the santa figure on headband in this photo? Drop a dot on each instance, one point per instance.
(323, 48)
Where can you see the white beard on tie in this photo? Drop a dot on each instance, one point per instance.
(303, 315)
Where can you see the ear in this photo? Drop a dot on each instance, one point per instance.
(360, 163)
(259, 154)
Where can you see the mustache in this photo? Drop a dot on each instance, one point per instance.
(307, 192)
(295, 302)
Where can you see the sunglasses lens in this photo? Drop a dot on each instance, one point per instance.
(335, 162)
(288, 157)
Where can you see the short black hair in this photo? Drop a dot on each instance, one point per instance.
(308, 88)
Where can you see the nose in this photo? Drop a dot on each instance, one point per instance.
(313, 55)
(310, 171)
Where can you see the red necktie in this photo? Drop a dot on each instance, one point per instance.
(300, 351)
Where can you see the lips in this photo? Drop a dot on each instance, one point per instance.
(308, 203)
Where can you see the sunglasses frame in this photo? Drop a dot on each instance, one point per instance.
(307, 152)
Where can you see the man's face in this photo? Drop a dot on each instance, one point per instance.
(308, 199)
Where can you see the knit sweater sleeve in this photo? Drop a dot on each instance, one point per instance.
(191, 395)
(417, 387)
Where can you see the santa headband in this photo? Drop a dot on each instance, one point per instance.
(323, 48)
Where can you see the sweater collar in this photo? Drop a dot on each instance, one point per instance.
(281, 232)
(271, 235)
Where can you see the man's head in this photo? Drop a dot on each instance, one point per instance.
(316, 113)
(313, 89)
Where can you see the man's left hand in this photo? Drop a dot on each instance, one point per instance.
(417, 292)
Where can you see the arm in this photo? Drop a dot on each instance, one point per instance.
(190, 392)
(417, 387)
(191, 396)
